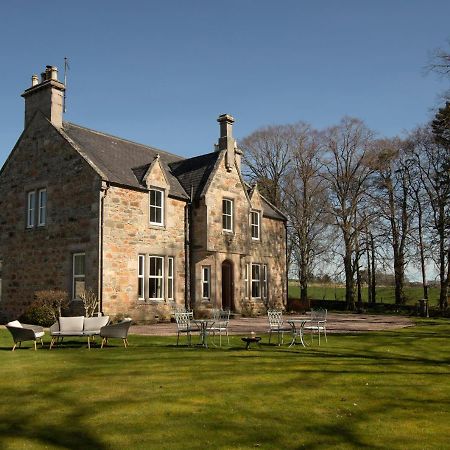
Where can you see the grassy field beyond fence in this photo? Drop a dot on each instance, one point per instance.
(385, 294)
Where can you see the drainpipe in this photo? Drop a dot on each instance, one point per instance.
(286, 268)
(188, 251)
(103, 191)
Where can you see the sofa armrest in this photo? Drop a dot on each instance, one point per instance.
(54, 328)
(36, 328)
(21, 334)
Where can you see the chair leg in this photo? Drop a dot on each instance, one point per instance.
(228, 337)
(178, 337)
(325, 334)
(35, 348)
(270, 335)
(14, 347)
(124, 342)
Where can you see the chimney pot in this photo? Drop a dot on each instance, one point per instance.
(34, 80)
(51, 73)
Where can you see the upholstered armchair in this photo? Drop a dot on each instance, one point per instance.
(23, 332)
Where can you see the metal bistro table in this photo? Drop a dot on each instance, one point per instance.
(203, 325)
(297, 330)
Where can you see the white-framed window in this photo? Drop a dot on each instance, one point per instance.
(255, 224)
(246, 289)
(227, 214)
(170, 283)
(141, 277)
(156, 278)
(42, 207)
(78, 274)
(206, 282)
(256, 281)
(264, 281)
(31, 209)
(156, 207)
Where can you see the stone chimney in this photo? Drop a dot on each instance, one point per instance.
(46, 96)
(227, 142)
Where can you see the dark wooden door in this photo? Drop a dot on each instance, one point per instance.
(227, 285)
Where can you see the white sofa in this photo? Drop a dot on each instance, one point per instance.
(77, 326)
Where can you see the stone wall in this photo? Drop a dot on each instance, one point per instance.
(41, 258)
(127, 234)
(212, 246)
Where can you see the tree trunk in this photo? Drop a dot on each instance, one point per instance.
(443, 272)
(349, 281)
(369, 271)
(373, 284)
(358, 284)
(421, 247)
(399, 275)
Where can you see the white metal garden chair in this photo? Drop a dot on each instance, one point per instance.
(317, 323)
(277, 325)
(183, 321)
(220, 326)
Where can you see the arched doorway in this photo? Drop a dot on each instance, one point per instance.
(227, 285)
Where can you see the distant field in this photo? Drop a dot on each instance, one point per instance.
(385, 294)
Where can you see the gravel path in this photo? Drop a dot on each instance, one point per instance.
(336, 323)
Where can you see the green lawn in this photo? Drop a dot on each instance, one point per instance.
(375, 390)
(385, 294)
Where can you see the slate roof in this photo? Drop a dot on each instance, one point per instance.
(125, 162)
(122, 161)
(193, 173)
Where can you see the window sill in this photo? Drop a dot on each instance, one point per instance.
(156, 226)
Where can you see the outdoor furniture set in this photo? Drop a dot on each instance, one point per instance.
(89, 327)
(315, 323)
(217, 324)
(78, 326)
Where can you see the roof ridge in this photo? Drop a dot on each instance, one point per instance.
(182, 158)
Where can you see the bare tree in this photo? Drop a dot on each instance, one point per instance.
(439, 61)
(267, 156)
(393, 201)
(432, 161)
(347, 171)
(305, 205)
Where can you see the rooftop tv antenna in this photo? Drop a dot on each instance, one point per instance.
(66, 68)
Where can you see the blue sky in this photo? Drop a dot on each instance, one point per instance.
(161, 72)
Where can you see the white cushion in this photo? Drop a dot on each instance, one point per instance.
(15, 323)
(95, 323)
(39, 334)
(71, 324)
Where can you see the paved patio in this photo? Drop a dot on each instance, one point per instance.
(336, 323)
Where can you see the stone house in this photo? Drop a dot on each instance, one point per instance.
(144, 229)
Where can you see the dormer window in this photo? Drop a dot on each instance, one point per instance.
(227, 215)
(255, 221)
(156, 207)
